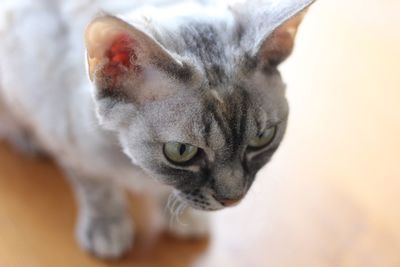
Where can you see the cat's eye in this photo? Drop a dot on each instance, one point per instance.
(179, 153)
(263, 139)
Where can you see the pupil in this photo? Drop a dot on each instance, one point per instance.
(182, 149)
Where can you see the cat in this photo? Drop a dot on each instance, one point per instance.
(176, 99)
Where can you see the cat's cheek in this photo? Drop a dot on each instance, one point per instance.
(118, 117)
(135, 151)
(126, 149)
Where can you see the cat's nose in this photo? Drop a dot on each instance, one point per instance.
(228, 202)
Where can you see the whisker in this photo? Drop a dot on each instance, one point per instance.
(169, 203)
(181, 209)
(174, 205)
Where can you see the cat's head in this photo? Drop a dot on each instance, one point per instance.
(197, 102)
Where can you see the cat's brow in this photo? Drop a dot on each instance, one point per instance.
(231, 120)
(207, 122)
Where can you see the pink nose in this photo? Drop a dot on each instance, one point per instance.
(227, 202)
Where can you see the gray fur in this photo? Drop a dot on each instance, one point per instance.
(233, 102)
(199, 82)
(104, 225)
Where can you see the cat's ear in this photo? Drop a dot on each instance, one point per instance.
(271, 29)
(279, 44)
(128, 68)
(121, 58)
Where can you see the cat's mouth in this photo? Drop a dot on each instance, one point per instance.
(228, 202)
(200, 201)
(207, 201)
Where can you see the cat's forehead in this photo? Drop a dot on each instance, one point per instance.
(211, 49)
(211, 46)
(215, 89)
(222, 95)
(206, 119)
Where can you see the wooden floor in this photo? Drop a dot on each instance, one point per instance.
(331, 196)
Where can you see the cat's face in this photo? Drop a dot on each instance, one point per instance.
(194, 108)
(207, 142)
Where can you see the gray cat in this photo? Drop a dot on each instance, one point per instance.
(183, 100)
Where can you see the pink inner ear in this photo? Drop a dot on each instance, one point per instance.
(121, 57)
(122, 50)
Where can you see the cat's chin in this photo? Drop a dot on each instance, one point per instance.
(206, 209)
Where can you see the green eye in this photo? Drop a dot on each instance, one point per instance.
(263, 139)
(179, 152)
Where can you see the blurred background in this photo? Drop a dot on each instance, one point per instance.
(330, 197)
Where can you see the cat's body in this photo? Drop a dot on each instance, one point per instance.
(196, 80)
(48, 64)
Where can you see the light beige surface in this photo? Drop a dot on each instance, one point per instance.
(329, 198)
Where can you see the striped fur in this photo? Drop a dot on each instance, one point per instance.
(226, 97)
(201, 74)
